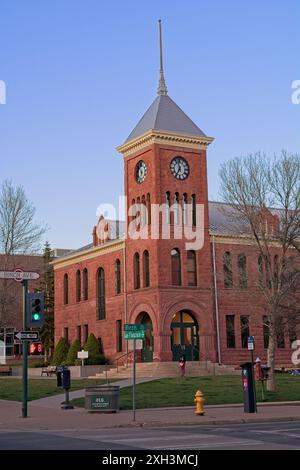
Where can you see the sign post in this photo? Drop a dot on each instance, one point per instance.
(250, 344)
(134, 332)
(23, 277)
(24, 356)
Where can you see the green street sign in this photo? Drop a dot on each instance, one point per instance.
(139, 334)
(134, 327)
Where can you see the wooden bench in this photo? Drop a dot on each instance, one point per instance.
(50, 370)
(5, 370)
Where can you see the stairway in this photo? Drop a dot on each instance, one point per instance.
(167, 369)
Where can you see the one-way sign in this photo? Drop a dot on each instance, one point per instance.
(26, 336)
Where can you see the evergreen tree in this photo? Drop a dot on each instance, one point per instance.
(47, 287)
(60, 352)
(72, 353)
(93, 347)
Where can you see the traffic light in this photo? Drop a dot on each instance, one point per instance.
(35, 310)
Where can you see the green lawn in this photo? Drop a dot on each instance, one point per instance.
(217, 391)
(11, 389)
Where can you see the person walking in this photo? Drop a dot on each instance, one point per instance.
(182, 362)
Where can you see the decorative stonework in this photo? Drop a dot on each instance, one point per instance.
(160, 137)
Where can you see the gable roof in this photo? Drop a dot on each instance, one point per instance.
(165, 115)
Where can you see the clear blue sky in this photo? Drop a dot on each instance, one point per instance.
(80, 73)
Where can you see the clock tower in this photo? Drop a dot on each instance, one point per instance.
(167, 249)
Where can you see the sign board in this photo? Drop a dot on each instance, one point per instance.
(26, 336)
(134, 331)
(138, 344)
(134, 334)
(82, 354)
(250, 343)
(134, 327)
(19, 275)
(99, 402)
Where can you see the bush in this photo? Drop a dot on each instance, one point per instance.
(60, 352)
(93, 347)
(72, 353)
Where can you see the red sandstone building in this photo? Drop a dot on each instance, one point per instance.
(200, 302)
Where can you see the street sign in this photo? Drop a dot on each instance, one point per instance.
(134, 334)
(138, 344)
(250, 343)
(19, 275)
(82, 354)
(134, 327)
(26, 336)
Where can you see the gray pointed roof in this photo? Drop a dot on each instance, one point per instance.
(165, 115)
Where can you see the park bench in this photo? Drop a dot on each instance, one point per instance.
(5, 370)
(50, 370)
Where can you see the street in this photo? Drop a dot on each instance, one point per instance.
(278, 435)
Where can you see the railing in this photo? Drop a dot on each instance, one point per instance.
(120, 357)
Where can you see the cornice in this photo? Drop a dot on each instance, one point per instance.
(169, 138)
(88, 254)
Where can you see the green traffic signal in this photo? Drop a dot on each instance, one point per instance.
(36, 309)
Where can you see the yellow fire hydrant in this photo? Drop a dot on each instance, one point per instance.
(199, 401)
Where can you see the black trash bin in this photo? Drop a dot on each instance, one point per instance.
(248, 383)
(102, 399)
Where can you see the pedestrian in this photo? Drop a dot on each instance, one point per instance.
(182, 362)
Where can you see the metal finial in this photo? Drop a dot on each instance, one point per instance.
(162, 88)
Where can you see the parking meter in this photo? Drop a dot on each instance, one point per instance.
(248, 384)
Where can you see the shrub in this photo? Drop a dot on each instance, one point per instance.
(93, 347)
(72, 353)
(60, 352)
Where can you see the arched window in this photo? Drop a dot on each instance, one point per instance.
(133, 212)
(146, 269)
(101, 293)
(136, 267)
(66, 289)
(149, 208)
(118, 276)
(168, 204)
(228, 277)
(176, 209)
(242, 269)
(191, 268)
(176, 267)
(260, 271)
(85, 284)
(193, 201)
(185, 214)
(78, 286)
(143, 212)
(138, 213)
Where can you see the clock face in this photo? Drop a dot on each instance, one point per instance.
(179, 168)
(140, 171)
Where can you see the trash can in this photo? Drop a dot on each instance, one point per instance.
(249, 394)
(102, 399)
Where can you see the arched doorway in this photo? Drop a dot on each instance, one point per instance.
(147, 351)
(185, 336)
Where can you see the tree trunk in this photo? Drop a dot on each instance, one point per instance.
(271, 360)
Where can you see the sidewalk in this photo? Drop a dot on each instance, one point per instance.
(42, 418)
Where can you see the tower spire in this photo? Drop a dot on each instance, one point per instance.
(162, 87)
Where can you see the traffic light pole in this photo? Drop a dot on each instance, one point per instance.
(24, 355)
